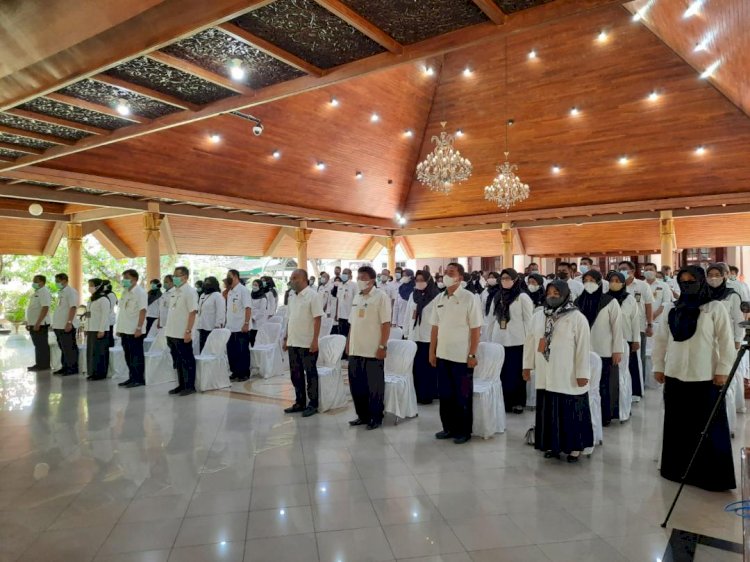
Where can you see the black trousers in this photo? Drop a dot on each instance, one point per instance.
(97, 355)
(456, 388)
(111, 337)
(132, 347)
(635, 372)
(149, 323)
(609, 391)
(344, 327)
(40, 339)
(69, 350)
(304, 369)
(425, 375)
(238, 351)
(367, 385)
(182, 355)
(202, 338)
(511, 377)
(253, 335)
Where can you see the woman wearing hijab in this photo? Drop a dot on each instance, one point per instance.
(511, 310)
(112, 314)
(97, 330)
(625, 375)
(259, 303)
(212, 310)
(535, 290)
(152, 311)
(418, 329)
(558, 348)
(269, 289)
(716, 278)
(405, 288)
(603, 313)
(488, 295)
(693, 355)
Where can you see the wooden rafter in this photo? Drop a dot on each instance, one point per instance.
(108, 238)
(344, 12)
(282, 233)
(19, 148)
(270, 49)
(368, 251)
(492, 11)
(97, 107)
(200, 72)
(50, 247)
(33, 135)
(57, 121)
(102, 213)
(168, 237)
(144, 91)
(406, 247)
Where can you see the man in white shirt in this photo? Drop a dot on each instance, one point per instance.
(564, 273)
(671, 281)
(305, 312)
(366, 347)
(65, 324)
(456, 325)
(740, 287)
(345, 296)
(182, 312)
(130, 327)
(37, 322)
(662, 296)
(587, 264)
(165, 302)
(324, 290)
(239, 313)
(641, 291)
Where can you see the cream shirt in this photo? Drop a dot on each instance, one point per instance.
(631, 320)
(303, 310)
(37, 302)
(521, 311)
(369, 313)
(455, 316)
(165, 305)
(732, 304)
(131, 304)
(212, 311)
(576, 288)
(662, 296)
(260, 309)
(642, 294)
(423, 331)
(345, 296)
(709, 352)
(606, 333)
(67, 298)
(184, 301)
(238, 300)
(98, 319)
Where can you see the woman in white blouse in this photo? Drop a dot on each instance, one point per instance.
(97, 332)
(558, 349)
(693, 355)
(417, 328)
(212, 310)
(260, 303)
(510, 320)
(602, 311)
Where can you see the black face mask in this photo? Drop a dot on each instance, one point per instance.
(690, 287)
(563, 275)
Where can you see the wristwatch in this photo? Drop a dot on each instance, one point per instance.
(472, 356)
(383, 347)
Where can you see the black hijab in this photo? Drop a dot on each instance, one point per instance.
(505, 297)
(405, 289)
(722, 292)
(100, 291)
(538, 297)
(260, 293)
(683, 318)
(425, 297)
(491, 291)
(622, 294)
(590, 304)
(154, 294)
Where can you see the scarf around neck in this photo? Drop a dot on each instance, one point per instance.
(423, 298)
(590, 304)
(505, 297)
(554, 314)
(683, 318)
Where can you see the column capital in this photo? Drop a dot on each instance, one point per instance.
(302, 235)
(75, 231)
(152, 225)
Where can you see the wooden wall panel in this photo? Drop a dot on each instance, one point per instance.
(326, 244)
(597, 238)
(24, 236)
(130, 230)
(456, 244)
(714, 231)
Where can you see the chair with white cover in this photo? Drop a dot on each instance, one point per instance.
(282, 310)
(276, 319)
(488, 401)
(731, 407)
(326, 325)
(82, 356)
(159, 362)
(151, 336)
(118, 367)
(55, 354)
(396, 334)
(400, 395)
(595, 402)
(212, 365)
(265, 356)
(531, 391)
(331, 390)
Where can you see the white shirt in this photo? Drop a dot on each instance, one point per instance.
(184, 301)
(422, 331)
(131, 304)
(37, 302)
(398, 318)
(642, 294)
(369, 313)
(576, 288)
(606, 333)
(521, 311)
(212, 311)
(325, 297)
(67, 298)
(98, 318)
(112, 308)
(238, 300)
(152, 310)
(303, 310)
(273, 303)
(732, 304)
(260, 309)
(345, 297)
(391, 289)
(709, 352)
(631, 320)
(740, 287)
(455, 316)
(662, 295)
(675, 286)
(165, 305)
(570, 353)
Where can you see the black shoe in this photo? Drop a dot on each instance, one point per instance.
(443, 435)
(373, 425)
(187, 392)
(309, 411)
(34, 368)
(59, 372)
(294, 409)
(70, 373)
(461, 440)
(176, 390)
(574, 458)
(551, 455)
(518, 409)
(242, 379)
(124, 383)
(356, 422)
(134, 384)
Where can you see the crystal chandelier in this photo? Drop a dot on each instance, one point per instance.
(444, 166)
(506, 189)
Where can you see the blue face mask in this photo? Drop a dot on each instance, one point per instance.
(344, 277)
(583, 269)
(177, 281)
(126, 283)
(59, 285)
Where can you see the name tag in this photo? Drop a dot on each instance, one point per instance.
(637, 297)
(503, 324)
(361, 313)
(440, 306)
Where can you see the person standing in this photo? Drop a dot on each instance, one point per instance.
(645, 299)
(239, 313)
(269, 288)
(65, 324)
(182, 313)
(110, 294)
(212, 310)
(37, 322)
(301, 342)
(345, 296)
(130, 326)
(487, 297)
(405, 288)
(693, 355)
(565, 273)
(418, 329)
(456, 326)
(154, 296)
(165, 302)
(97, 331)
(324, 290)
(366, 347)
(259, 303)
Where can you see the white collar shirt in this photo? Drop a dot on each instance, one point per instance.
(303, 310)
(67, 298)
(184, 301)
(642, 294)
(98, 315)
(37, 301)
(132, 302)
(238, 300)
(514, 332)
(606, 333)
(418, 332)
(369, 313)
(345, 296)
(211, 311)
(455, 316)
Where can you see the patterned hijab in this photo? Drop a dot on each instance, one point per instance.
(553, 314)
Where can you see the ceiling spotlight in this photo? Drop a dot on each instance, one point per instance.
(122, 108)
(460, 133)
(532, 54)
(637, 16)
(693, 9)
(402, 221)
(374, 118)
(623, 160)
(235, 69)
(408, 133)
(602, 37)
(35, 209)
(555, 169)
(429, 71)
(334, 102)
(710, 70)
(702, 46)
(574, 111)
(359, 175)
(398, 216)
(276, 154)
(653, 96)
(214, 138)
(320, 166)
(468, 71)
(700, 150)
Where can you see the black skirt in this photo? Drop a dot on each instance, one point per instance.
(609, 390)
(687, 406)
(563, 422)
(511, 377)
(425, 375)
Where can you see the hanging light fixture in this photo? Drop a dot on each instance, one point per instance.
(506, 189)
(444, 166)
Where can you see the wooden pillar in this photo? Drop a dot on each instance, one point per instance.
(668, 239)
(390, 245)
(151, 227)
(507, 239)
(75, 256)
(302, 236)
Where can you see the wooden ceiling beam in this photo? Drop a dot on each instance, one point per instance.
(167, 235)
(144, 91)
(102, 213)
(57, 121)
(366, 253)
(492, 11)
(344, 12)
(20, 148)
(36, 136)
(270, 49)
(282, 233)
(24, 214)
(108, 238)
(406, 247)
(55, 237)
(200, 72)
(97, 107)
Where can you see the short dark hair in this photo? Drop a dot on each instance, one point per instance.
(458, 266)
(652, 264)
(169, 276)
(367, 270)
(533, 263)
(41, 278)
(61, 277)
(183, 270)
(131, 273)
(734, 269)
(629, 263)
(233, 272)
(564, 264)
(588, 260)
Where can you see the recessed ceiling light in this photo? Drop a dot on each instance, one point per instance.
(122, 108)
(402, 220)
(653, 96)
(334, 102)
(235, 69)
(700, 150)
(408, 133)
(555, 169)
(623, 160)
(574, 111)
(460, 133)
(429, 71)
(359, 175)
(398, 216)
(532, 54)
(276, 154)
(214, 138)
(701, 46)
(468, 71)
(602, 37)
(320, 166)
(693, 9)
(710, 70)
(374, 118)
(637, 16)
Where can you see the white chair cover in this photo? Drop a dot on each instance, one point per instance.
(265, 357)
(531, 391)
(159, 362)
(117, 365)
(731, 406)
(489, 404)
(626, 384)
(212, 366)
(331, 390)
(738, 384)
(595, 402)
(282, 310)
(151, 337)
(82, 358)
(276, 319)
(396, 334)
(647, 367)
(400, 395)
(55, 355)
(326, 325)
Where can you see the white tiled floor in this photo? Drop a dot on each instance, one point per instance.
(89, 471)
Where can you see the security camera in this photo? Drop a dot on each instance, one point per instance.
(258, 124)
(258, 129)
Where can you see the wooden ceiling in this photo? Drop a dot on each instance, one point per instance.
(170, 63)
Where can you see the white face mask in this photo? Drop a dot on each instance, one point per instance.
(507, 283)
(384, 279)
(398, 276)
(405, 279)
(363, 285)
(463, 284)
(590, 287)
(649, 275)
(715, 282)
(533, 288)
(441, 285)
(449, 281)
(492, 281)
(583, 269)
(421, 285)
(733, 278)
(627, 273)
